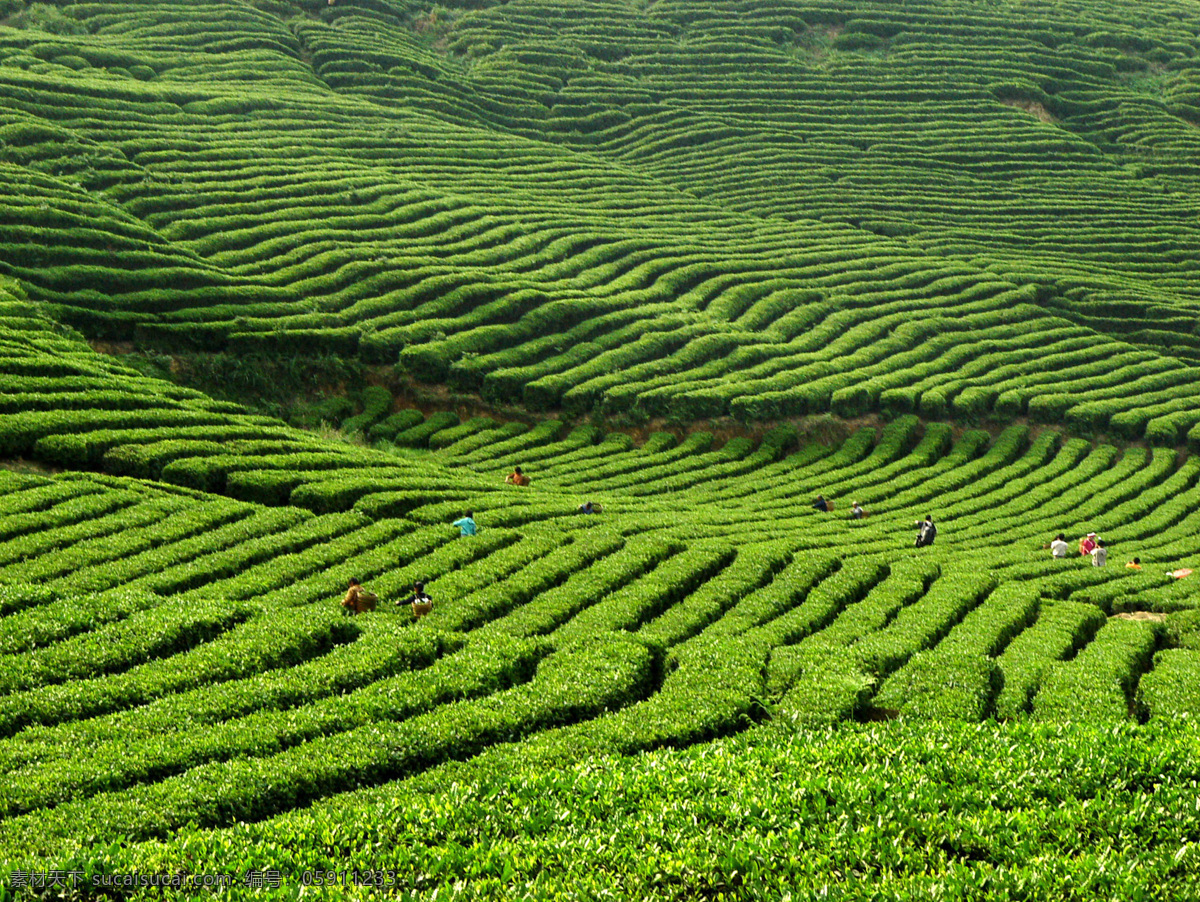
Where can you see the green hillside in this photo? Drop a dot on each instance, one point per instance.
(695, 263)
(957, 209)
(180, 693)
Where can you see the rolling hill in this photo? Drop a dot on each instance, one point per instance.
(698, 263)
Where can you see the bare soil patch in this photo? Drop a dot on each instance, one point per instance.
(1143, 615)
(28, 467)
(1032, 107)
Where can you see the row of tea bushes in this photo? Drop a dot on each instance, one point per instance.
(601, 209)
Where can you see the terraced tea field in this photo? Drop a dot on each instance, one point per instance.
(667, 246)
(175, 669)
(955, 209)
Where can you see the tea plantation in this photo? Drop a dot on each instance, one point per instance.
(698, 263)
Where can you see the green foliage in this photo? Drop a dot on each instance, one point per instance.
(704, 598)
(1043, 806)
(1099, 683)
(563, 223)
(1172, 689)
(376, 403)
(421, 434)
(681, 218)
(390, 426)
(42, 17)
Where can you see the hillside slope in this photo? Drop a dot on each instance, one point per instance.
(961, 210)
(181, 694)
(958, 209)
